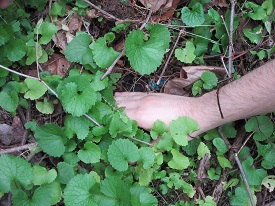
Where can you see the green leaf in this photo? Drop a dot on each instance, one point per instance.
(58, 9)
(118, 126)
(229, 131)
(15, 49)
(145, 57)
(268, 153)
(192, 147)
(202, 150)
(65, 172)
(51, 138)
(181, 128)
(186, 55)
(193, 17)
(269, 182)
(220, 145)
(97, 83)
(100, 49)
(6, 34)
(209, 80)
(35, 89)
(81, 190)
(53, 190)
(145, 176)
(14, 169)
(258, 12)
(240, 197)
(262, 124)
(145, 199)
(76, 95)
(9, 102)
(47, 30)
(121, 152)
(117, 190)
(78, 50)
(91, 154)
(212, 174)
(207, 202)
(165, 142)
(42, 176)
(81, 4)
(197, 88)
(224, 162)
(78, 126)
(254, 176)
(147, 157)
(179, 161)
(254, 35)
(158, 128)
(45, 107)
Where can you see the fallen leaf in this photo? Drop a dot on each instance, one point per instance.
(190, 74)
(11, 134)
(168, 14)
(156, 5)
(75, 23)
(57, 64)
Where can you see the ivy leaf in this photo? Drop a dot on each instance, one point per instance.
(158, 128)
(209, 80)
(144, 199)
(147, 157)
(45, 107)
(42, 176)
(9, 102)
(97, 83)
(15, 49)
(254, 176)
(14, 169)
(145, 57)
(254, 35)
(65, 172)
(258, 12)
(220, 145)
(51, 138)
(121, 152)
(100, 49)
(6, 34)
(181, 128)
(35, 89)
(117, 125)
(229, 130)
(81, 190)
(192, 147)
(145, 176)
(240, 197)
(91, 154)
(267, 152)
(196, 88)
(78, 50)
(224, 162)
(207, 202)
(262, 124)
(47, 30)
(202, 150)
(179, 161)
(186, 55)
(117, 190)
(165, 142)
(193, 17)
(58, 9)
(78, 126)
(76, 95)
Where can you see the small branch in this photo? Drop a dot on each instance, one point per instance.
(16, 149)
(224, 66)
(244, 178)
(230, 50)
(141, 141)
(110, 69)
(18, 73)
(91, 119)
(170, 55)
(102, 11)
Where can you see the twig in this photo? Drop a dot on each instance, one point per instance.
(141, 141)
(170, 55)
(102, 11)
(18, 73)
(15, 149)
(239, 165)
(244, 178)
(28, 118)
(91, 119)
(218, 101)
(230, 50)
(224, 66)
(110, 69)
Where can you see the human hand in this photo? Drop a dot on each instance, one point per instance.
(147, 108)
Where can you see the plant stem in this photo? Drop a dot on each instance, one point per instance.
(15, 149)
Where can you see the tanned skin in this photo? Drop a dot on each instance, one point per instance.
(251, 95)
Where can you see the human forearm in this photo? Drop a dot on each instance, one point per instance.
(250, 95)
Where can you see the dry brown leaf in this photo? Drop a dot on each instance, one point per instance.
(57, 64)
(168, 14)
(11, 134)
(75, 23)
(191, 74)
(5, 3)
(156, 5)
